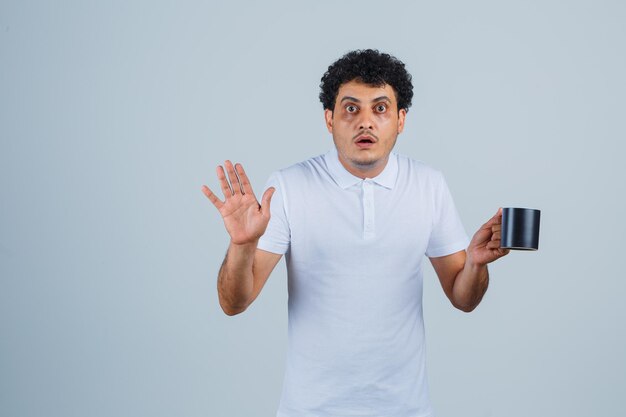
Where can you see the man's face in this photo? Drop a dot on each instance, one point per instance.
(365, 124)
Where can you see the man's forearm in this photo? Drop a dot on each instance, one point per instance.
(235, 279)
(470, 286)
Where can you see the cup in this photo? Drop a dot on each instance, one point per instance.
(520, 228)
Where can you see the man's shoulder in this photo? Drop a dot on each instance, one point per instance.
(314, 166)
(415, 168)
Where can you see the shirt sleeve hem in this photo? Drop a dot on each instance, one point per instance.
(448, 249)
(272, 247)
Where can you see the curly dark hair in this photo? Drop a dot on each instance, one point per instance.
(370, 67)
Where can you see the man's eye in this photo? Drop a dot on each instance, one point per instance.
(351, 109)
(381, 108)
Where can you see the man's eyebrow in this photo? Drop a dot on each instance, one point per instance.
(382, 98)
(356, 100)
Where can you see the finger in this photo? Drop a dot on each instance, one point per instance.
(496, 219)
(496, 228)
(265, 201)
(501, 251)
(496, 236)
(221, 175)
(232, 176)
(243, 178)
(493, 244)
(212, 197)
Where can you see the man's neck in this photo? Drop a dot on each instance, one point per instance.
(364, 171)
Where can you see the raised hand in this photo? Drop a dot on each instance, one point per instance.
(485, 245)
(245, 219)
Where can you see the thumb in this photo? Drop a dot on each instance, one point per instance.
(265, 201)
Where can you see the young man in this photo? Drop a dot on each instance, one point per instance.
(354, 225)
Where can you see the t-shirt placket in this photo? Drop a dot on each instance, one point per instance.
(369, 224)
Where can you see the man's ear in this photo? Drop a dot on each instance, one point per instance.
(401, 117)
(328, 116)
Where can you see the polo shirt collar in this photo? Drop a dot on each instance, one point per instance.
(387, 178)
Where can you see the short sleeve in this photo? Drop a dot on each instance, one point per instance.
(277, 235)
(448, 235)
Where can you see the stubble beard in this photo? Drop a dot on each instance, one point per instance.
(366, 164)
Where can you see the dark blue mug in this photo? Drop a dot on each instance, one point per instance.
(520, 228)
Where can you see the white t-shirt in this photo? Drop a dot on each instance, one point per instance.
(354, 250)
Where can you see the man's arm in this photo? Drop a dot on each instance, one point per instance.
(243, 274)
(245, 268)
(464, 275)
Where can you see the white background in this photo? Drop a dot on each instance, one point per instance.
(113, 114)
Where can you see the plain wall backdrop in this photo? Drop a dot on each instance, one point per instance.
(113, 114)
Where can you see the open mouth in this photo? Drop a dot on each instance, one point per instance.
(365, 140)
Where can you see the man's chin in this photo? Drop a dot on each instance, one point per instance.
(366, 163)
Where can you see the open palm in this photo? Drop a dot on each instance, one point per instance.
(245, 219)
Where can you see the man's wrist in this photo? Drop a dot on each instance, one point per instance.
(473, 267)
(242, 250)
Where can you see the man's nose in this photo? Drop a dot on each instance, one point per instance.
(366, 121)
